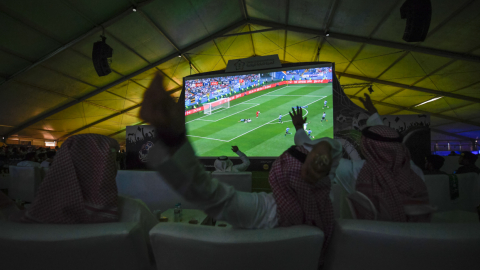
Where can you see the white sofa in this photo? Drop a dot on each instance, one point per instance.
(185, 246)
(24, 182)
(439, 192)
(366, 244)
(114, 246)
(241, 181)
(149, 187)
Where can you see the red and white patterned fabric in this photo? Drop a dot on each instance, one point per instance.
(80, 185)
(388, 180)
(299, 202)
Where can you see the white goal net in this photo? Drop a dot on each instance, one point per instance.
(219, 104)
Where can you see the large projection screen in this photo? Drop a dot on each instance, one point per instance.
(221, 109)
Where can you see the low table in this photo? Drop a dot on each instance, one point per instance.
(187, 215)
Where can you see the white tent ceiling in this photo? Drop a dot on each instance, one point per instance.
(50, 90)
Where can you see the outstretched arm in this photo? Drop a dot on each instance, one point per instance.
(243, 158)
(174, 159)
(368, 104)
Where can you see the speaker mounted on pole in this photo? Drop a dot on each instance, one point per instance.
(102, 57)
(418, 14)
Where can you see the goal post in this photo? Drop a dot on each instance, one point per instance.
(207, 108)
(219, 104)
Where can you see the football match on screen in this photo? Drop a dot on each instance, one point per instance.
(252, 111)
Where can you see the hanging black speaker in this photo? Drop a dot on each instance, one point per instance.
(418, 14)
(102, 57)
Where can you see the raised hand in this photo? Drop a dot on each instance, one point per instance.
(235, 148)
(297, 119)
(368, 104)
(159, 109)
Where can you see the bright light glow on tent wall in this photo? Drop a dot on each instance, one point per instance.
(49, 143)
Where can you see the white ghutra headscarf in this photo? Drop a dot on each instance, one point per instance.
(223, 164)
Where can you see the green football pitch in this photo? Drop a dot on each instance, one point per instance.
(213, 135)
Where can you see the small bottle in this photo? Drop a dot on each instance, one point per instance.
(176, 214)
(181, 211)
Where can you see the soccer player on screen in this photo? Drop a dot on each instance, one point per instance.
(286, 132)
(280, 119)
(310, 134)
(323, 117)
(325, 104)
(305, 125)
(258, 112)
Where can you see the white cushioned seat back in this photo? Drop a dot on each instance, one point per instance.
(185, 246)
(241, 181)
(103, 246)
(468, 190)
(366, 244)
(469, 194)
(24, 182)
(439, 191)
(149, 187)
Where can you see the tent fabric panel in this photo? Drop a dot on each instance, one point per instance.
(20, 108)
(186, 22)
(123, 60)
(30, 44)
(268, 10)
(44, 78)
(138, 34)
(10, 64)
(308, 13)
(54, 17)
(78, 66)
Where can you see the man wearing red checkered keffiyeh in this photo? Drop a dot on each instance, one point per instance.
(298, 201)
(387, 178)
(80, 185)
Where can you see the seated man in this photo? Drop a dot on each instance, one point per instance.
(467, 160)
(301, 186)
(80, 188)
(224, 164)
(47, 162)
(433, 163)
(29, 161)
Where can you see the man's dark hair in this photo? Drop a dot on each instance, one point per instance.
(51, 154)
(30, 156)
(436, 161)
